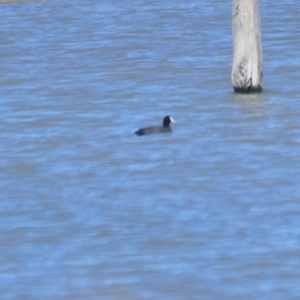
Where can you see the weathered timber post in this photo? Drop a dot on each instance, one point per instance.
(247, 68)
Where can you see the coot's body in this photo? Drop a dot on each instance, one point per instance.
(157, 129)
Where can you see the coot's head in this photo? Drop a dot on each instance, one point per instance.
(167, 121)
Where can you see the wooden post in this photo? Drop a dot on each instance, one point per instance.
(247, 68)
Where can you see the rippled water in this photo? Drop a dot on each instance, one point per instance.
(91, 211)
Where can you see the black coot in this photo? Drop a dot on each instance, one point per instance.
(157, 129)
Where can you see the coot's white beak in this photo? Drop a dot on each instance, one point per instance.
(172, 120)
